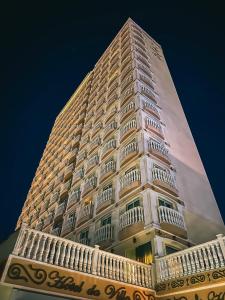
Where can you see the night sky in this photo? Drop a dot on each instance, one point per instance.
(47, 49)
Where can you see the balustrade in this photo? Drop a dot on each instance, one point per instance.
(111, 144)
(158, 149)
(159, 175)
(200, 258)
(129, 178)
(128, 149)
(127, 128)
(50, 249)
(171, 216)
(132, 216)
(104, 233)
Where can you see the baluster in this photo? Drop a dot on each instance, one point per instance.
(202, 266)
(110, 268)
(196, 260)
(205, 259)
(188, 263)
(46, 251)
(24, 246)
(58, 252)
(36, 247)
(81, 258)
(68, 255)
(42, 247)
(77, 256)
(213, 246)
(52, 253)
(72, 257)
(220, 255)
(63, 254)
(142, 276)
(30, 248)
(99, 264)
(210, 257)
(114, 268)
(192, 263)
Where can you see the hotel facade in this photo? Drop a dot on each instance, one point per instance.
(120, 193)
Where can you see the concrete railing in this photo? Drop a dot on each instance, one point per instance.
(158, 147)
(111, 144)
(129, 125)
(127, 179)
(171, 216)
(104, 196)
(132, 216)
(131, 147)
(200, 258)
(46, 248)
(104, 233)
(161, 175)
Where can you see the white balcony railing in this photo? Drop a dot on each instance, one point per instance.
(200, 258)
(93, 161)
(85, 211)
(129, 178)
(153, 123)
(148, 105)
(171, 216)
(131, 147)
(60, 209)
(128, 108)
(74, 197)
(132, 216)
(57, 251)
(104, 233)
(90, 184)
(108, 167)
(111, 144)
(158, 147)
(163, 176)
(129, 125)
(68, 225)
(106, 195)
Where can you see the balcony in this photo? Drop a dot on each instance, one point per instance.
(85, 214)
(92, 162)
(81, 157)
(73, 154)
(128, 152)
(164, 180)
(171, 220)
(126, 71)
(109, 129)
(104, 235)
(68, 171)
(112, 99)
(78, 175)
(131, 222)
(54, 198)
(74, 198)
(108, 169)
(94, 144)
(108, 147)
(148, 92)
(39, 225)
(89, 185)
(129, 182)
(145, 69)
(65, 188)
(129, 92)
(126, 130)
(154, 126)
(126, 81)
(127, 111)
(60, 210)
(85, 241)
(158, 150)
(104, 199)
(151, 108)
(48, 220)
(56, 231)
(68, 226)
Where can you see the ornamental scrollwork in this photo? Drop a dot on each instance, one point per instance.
(20, 272)
(197, 279)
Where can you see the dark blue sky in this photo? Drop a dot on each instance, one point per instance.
(48, 47)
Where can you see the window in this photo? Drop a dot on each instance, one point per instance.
(133, 204)
(163, 202)
(106, 220)
(106, 187)
(130, 170)
(170, 250)
(144, 253)
(84, 234)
